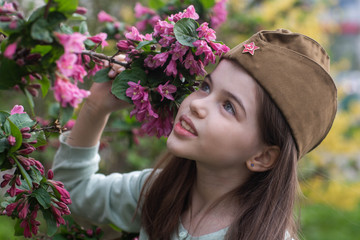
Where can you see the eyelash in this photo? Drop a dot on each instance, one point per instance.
(226, 103)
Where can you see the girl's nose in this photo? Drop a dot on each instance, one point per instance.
(198, 107)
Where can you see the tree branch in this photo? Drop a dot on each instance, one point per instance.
(101, 56)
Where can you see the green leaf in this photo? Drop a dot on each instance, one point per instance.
(37, 14)
(4, 144)
(66, 7)
(45, 85)
(15, 131)
(156, 4)
(120, 83)
(3, 116)
(83, 28)
(22, 120)
(208, 3)
(102, 75)
(40, 32)
(41, 49)
(50, 222)
(43, 197)
(30, 99)
(55, 18)
(65, 114)
(145, 43)
(36, 175)
(10, 73)
(185, 31)
(19, 231)
(40, 138)
(77, 17)
(116, 228)
(66, 29)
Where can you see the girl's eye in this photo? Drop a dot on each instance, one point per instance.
(229, 107)
(205, 87)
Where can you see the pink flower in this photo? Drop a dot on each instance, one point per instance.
(17, 109)
(133, 35)
(70, 124)
(104, 17)
(166, 90)
(219, 48)
(206, 32)
(200, 70)
(166, 40)
(161, 58)
(100, 38)
(73, 43)
(201, 47)
(10, 50)
(209, 57)
(135, 91)
(163, 28)
(66, 64)
(147, 37)
(67, 93)
(219, 14)
(124, 45)
(190, 62)
(158, 126)
(140, 10)
(171, 68)
(179, 51)
(187, 13)
(149, 62)
(141, 25)
(11, 140)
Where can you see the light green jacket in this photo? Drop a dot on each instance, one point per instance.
(106, 199)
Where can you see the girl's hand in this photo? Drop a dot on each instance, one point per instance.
(101, 100)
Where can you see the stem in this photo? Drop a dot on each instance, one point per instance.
(47, 9)
(104, 57)
(23, 171)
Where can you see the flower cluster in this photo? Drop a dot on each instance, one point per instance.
(148, 17)
(219, 13)
(28, 189)
(9, 13)
(71, 66)
(171, 58)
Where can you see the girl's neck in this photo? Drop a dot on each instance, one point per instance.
(206, 215)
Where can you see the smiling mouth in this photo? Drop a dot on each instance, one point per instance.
(187, 127)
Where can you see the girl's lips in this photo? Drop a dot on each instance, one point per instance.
(185, 127)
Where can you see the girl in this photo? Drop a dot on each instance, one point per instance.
(231, 168)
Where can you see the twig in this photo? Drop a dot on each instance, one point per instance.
(47, 9)
(104, 57)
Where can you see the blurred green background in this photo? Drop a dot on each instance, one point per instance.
(329, 175)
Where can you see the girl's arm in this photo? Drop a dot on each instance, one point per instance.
(96, 111)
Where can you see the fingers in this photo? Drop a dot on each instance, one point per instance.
(115, 71)
(116, 68)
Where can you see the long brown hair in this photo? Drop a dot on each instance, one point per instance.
(266, 198)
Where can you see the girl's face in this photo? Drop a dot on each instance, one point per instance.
(218, 124)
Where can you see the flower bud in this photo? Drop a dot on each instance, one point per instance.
(33, 91)
(50, 174)
(26, 135)
(123, 45)
(90, 232)
(13, 25)
(32, 57)
(5, 19)
(81, 10)
(24, 129)
(20, 62)
(11, 140)
(17, 180)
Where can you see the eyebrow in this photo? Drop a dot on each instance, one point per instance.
(230, 95)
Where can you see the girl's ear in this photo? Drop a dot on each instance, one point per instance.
(265, 160)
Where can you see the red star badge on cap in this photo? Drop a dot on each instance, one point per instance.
(250, 48)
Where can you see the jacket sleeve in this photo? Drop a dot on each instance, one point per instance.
(96, 197)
